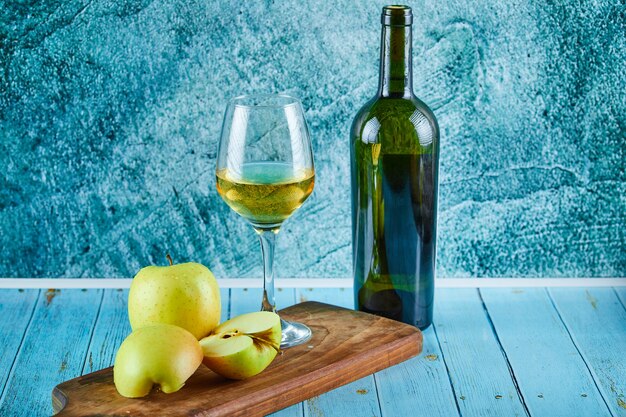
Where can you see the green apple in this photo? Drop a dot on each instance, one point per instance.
(185, 295)
(243, 346)
(160, 354)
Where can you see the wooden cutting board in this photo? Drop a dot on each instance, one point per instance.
(346, 345)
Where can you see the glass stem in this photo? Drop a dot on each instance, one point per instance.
(268, 241)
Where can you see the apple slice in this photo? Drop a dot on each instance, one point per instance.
(243, 346)
(161, 354)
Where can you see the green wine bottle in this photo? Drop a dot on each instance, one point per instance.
(394, 153)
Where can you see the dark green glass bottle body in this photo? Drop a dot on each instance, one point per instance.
(394, 169)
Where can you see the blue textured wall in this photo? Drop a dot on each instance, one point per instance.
(110, 112)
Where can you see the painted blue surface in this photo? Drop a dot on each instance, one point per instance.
(477, 364)
(419, 386)
(109, 331)
(53, 350)
(553, 378)
(554, 355)
(110, 113)
(16, 310)
(597, 321)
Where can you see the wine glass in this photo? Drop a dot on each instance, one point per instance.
(264, 173)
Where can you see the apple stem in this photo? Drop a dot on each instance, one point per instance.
(169, 258)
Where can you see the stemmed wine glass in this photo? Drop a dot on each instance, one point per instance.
(264, 173)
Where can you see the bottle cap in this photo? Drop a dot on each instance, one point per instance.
(397, 15)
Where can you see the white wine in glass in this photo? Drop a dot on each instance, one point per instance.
(264, 173)
(267, 192)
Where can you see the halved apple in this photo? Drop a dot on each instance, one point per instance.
(161, 354)
(243, 346)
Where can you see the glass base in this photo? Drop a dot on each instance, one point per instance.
(294, 334)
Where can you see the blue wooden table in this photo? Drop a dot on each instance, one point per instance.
(492, 352)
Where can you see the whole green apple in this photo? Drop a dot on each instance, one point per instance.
(184, 295)
(160, 354)
(243, 346)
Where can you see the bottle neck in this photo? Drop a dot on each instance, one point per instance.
(396, 68)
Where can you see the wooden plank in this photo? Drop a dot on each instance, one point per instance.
(478, 368)
(285, 297)
(225, 304)
(359, 398)
(53, 350)
(248, 300)
(551, 374)
(621, 294)
(440, 282)
(16, 311)
(596, 320)
(342, 297)
(109, 332)
(296, 410)
(419, 386)
(346, 345)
